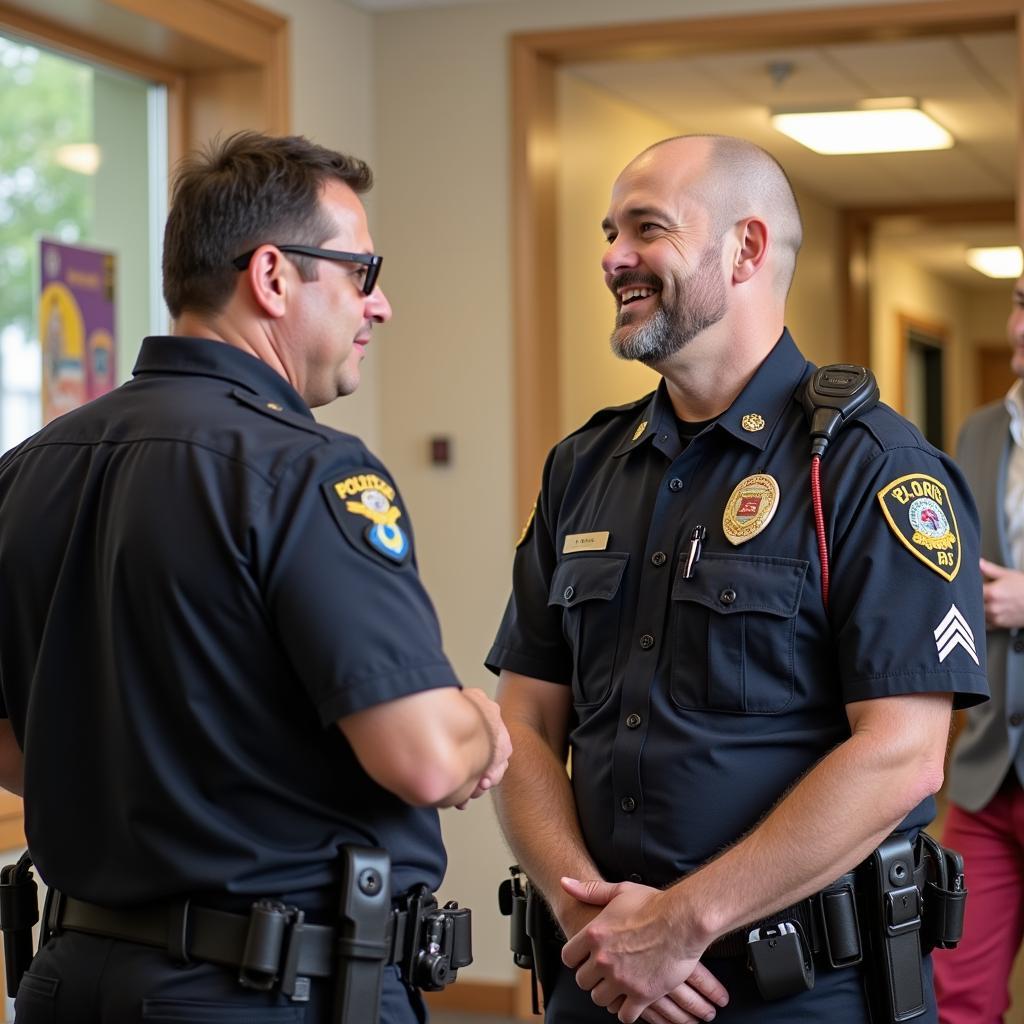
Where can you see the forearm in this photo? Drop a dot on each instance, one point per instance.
(537, 813)
(828, 823)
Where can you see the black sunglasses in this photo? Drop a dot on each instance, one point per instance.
(371, 261)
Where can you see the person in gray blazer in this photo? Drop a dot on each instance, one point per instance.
(986, 816)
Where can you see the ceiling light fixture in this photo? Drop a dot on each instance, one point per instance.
(1001, 261)
(893, 125)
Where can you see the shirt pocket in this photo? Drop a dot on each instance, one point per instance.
(734, 634)
(588, 587)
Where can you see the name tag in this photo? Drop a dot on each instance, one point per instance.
(585, 542)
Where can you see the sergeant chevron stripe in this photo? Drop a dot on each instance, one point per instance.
(953, 632)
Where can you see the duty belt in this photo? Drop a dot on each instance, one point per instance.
(273, 945)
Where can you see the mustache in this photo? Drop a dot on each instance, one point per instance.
(634, 279)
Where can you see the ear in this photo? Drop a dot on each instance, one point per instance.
(751, 251)
(267, 283)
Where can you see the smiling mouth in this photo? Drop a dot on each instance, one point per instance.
(627, 296)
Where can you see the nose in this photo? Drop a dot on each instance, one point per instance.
(377, 306)
(620, 255)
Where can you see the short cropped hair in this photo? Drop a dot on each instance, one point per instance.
(742, 180)
(239, 193)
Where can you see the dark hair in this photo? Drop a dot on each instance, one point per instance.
(239, 193)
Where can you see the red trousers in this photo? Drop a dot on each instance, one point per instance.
(971, 981)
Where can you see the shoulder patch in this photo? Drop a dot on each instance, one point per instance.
(527, 525)
(920, 512)
(364, 505)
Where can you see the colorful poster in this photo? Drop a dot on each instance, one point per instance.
(76, 325)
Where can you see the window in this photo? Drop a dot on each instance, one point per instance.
(83, 161)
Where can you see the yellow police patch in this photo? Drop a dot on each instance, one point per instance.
(920, 512)
(365, 508)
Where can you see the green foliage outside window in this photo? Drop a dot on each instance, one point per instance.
(45, 103)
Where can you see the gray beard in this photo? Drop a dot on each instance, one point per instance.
(701, 304)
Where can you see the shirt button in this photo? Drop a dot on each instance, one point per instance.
(1016, 718)
(628, 804)
(675, 484)
(659, 558)
(727, 596)
(633, 720)
(647, 641)
(1018, 644)
(568, 593)
(638, 879)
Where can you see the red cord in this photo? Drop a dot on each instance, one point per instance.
(819, 525)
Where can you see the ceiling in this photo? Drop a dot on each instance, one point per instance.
(966, 82)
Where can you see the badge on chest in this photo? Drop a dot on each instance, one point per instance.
(750, 507)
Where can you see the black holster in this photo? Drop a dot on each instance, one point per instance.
(19, 911)
(535, 938)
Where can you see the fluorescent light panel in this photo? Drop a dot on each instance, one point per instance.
(894, 125)
(997, 261)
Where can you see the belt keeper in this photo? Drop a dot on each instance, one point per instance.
(294, 985)
(177, 932)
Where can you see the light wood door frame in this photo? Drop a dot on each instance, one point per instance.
(535, 58)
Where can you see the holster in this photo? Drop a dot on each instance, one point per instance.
(535, 938)
(19, 911)
(891, 908)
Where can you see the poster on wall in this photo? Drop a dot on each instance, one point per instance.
(77, 335)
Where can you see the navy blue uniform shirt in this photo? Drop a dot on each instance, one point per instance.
(697, 702)
(196, 580)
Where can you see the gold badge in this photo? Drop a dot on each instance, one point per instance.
(750, 508)
(586, 541)
(752, 422)
(919, 510)
(639, 430)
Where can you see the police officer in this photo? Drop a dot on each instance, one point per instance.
(737, 743)
(216, 653)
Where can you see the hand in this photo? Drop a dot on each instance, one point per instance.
(632, 959)
(501, 743)
(1004, 595)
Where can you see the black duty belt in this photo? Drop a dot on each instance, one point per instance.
(269, 945)
(274, 945)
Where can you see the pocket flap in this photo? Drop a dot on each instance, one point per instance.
(587, 577)
(736, 583)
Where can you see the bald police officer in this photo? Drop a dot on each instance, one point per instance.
(216, 654)
(736, 745)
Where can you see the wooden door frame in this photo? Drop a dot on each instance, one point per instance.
(535, 58)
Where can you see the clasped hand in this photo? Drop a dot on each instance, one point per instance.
(634, 962)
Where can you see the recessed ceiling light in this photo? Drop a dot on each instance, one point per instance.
(997, 261)
(893, 125)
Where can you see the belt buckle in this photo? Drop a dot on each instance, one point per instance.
(271, 953)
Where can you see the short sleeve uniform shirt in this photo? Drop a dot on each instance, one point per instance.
(698, 700)
(197, 581)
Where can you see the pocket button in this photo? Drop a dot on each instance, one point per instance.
(569, 593)
(727, 596)
(646, 641)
